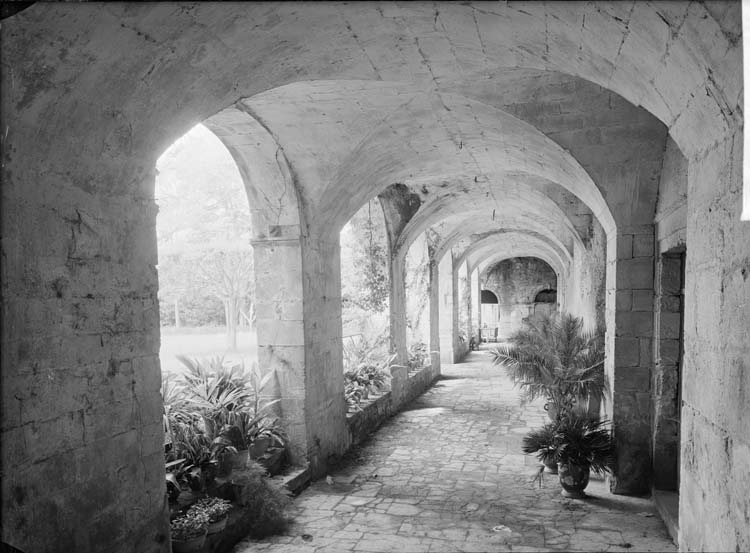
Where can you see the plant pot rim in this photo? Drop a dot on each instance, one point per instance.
(203, 535)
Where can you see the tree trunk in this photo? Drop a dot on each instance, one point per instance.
(177, 313)
(230, 309)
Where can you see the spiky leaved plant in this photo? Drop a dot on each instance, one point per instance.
(572, 439)
(552, 357)
(584, 440)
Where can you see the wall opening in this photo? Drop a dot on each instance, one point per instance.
(417, 284)
(365, 297)
(669, 317)
(545, 302)
(206, 266)
(516, 283)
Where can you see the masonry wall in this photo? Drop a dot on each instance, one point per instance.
(714, 475)
(516, 282)
(80, 393)
(585, 296)
(671, 226)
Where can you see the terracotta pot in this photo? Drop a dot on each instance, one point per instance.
(189, 546)
(550, 466)
(218, 526)
(573, 479)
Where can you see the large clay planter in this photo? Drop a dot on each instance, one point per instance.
(573, 479)
(189, 546)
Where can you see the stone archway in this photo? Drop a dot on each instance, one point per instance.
(123, 82)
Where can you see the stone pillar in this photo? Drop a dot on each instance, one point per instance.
(629, 369)
(448, 312)
(476, 304)
(399, 374)
(280, 329)
(397, 305)
(325, 407)
(434, 311)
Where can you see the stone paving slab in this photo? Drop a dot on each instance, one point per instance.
(447, 475)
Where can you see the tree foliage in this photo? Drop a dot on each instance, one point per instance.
(203, 228)
(365, 260)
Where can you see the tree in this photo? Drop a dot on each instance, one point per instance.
(225, 275)
(364, 275)
(204, 228)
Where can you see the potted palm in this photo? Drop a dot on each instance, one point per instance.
(541, 442)
(555, 359)
(189, 531)
(579, 443)
(217, 511)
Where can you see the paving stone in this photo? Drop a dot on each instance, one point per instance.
(449, 472)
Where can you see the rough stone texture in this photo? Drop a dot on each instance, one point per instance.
(586, 296)
(447, 310)
(666, 381)
(405, 387)
(671, 208)
(357, 98)
(516, 282)
(447, 475)
(325, 411)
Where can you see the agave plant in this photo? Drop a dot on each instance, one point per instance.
(555, 359)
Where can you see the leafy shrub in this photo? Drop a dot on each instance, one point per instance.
(418, 356)
(213, 409)
(366, 379)
(213, 507)
(190, 525)
(263, 504)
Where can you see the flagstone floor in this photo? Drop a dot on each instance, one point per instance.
(447, 475)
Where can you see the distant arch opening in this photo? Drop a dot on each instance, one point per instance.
(546, 296)
(488, 297)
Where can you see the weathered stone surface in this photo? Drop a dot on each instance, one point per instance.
(447, 475)
(516, 283)
(497, 113)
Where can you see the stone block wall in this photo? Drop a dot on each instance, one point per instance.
(325, 409)
(631, 374)
(80, 393)
(671, 223)
(585, 293)
(405, 388)
(715, 456)
(516, 283)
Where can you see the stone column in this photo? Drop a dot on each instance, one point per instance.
(397, 305)
(280, 330)
(434, 311)
(476, 303)
(325, 407)
(629, 369)
(448, 313)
